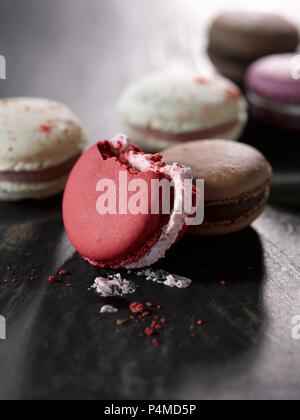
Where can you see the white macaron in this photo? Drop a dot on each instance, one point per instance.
(40, 141)
(176, 106)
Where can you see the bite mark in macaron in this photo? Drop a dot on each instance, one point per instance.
(237, 182)
(121, 239)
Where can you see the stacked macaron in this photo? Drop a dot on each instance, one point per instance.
(40, 141)
(238, 38)
(273, 90)
(177, 106)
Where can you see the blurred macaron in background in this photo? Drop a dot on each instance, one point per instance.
(273, 91)
(237, 38)
(178, 105)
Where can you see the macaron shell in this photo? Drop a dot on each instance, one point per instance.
(229, 169)
(110, 239)
(272, 78)
(253, 34)
(37, 133)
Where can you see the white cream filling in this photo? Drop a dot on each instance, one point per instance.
(113, 285)
(178, 218)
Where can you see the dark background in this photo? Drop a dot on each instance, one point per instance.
(83, 53)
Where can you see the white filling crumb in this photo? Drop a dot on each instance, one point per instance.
(162, 277)
(107, 309)
(180, 282)
(113, 285)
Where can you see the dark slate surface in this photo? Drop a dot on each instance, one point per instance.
(58, 346)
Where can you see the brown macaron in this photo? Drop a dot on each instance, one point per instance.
(238, 38)
(237, 182)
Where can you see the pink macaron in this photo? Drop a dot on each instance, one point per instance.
(118, 237)
(273, 85)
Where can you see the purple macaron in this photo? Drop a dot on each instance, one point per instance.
(273, 85)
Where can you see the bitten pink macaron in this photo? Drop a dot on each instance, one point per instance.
(40, 141)
(240, 37)
(237, 182)
(273, 85)
(117, 237)
(177, 106)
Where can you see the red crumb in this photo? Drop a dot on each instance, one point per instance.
(200, 322)
(46, 128)
(132, 318)
(222, 283)
(52, 279)
(156, 342)
(201, 80)
(233, 93)
(33, 275)
(136, 308)
(157, 158)
(145, 314)
(149, 304)
(155, 325)
(149, 331)
(158, 307)
(64, 272)
(163, 321)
